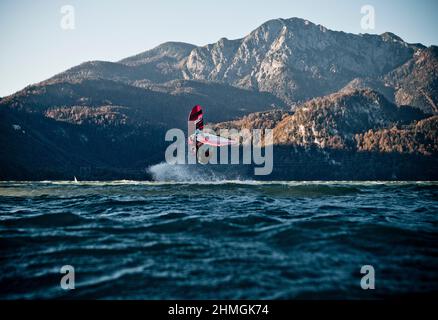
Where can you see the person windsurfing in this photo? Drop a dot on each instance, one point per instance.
(197, 138)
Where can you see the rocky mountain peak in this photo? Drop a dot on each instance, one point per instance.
(296, 59)
(389, 36)
(293, 59)
(170, 50)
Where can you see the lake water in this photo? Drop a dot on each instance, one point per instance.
(218, 239)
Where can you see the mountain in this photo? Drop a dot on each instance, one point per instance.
(335, 121)
(356, 134)
(414, 83)
(164, 104)
(420, 137)
(318, 88)
(296, 59)
(75, 127)
(161, 64)
(293, 59)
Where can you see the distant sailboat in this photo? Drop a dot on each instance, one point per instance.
(76, 180)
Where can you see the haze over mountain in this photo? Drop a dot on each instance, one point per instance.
(113, 115)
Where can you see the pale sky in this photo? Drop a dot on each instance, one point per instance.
(33, 46)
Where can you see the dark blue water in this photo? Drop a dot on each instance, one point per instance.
(218, 240)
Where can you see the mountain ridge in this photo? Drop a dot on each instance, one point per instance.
(270, 58)
(363, 93)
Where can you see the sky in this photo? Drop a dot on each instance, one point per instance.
(34, 46)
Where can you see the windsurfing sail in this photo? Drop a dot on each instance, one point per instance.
(196, 124)
(196, 118)
(197, 137)
(76, 180)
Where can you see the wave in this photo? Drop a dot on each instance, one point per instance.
(194, 180)
(184, 173)
(46, 220)
(188, 239)
(166, 174)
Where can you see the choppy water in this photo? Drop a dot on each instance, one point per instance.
(218, 239)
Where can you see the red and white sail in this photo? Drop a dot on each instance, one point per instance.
(197, 137)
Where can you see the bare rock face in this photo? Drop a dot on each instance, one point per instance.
(172, 53)
(296, 59)
(416, 81)
(293, 59)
